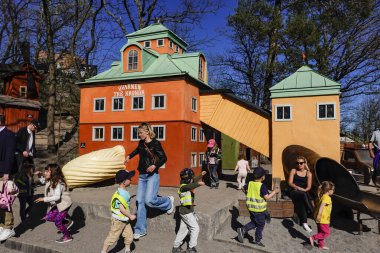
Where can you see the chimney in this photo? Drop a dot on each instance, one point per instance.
(25, 51)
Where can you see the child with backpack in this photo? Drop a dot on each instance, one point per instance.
(8, 194)
(121, 215)
(257, 197)
(322, 214)
(58, 197)
(186, 211)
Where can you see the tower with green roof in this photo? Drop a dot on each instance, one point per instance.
(305, 111)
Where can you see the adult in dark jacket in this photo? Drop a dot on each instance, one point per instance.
(7, 150)
(152, 157)
(25, 144)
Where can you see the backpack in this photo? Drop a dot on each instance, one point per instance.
(8, 194)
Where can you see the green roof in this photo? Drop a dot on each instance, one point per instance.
(305, 82)
(154, 65)
(155, 31)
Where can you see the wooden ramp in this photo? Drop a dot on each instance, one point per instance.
(240, 120)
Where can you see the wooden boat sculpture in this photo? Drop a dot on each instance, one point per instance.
(94, 167)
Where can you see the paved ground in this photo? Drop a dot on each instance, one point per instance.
(281, 235)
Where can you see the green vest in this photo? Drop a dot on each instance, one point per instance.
(255, 202)
(116, 211)
(185, 197)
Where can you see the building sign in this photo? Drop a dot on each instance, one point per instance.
(127, 90)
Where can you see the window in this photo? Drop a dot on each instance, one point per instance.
(325, 111)
(201, 135)
(99, 104)
(98, 133)
(171, 44)
(147, 44)
(135, 133)
(23, 91)
(132, 60)
(160, 132)
(158, 101)
(194, 104)
(118, 104)
(117, 133)
(176, 49)
(160, 42)
(283, 112)
(200, 73)
(137, 102)
(201, 158)
(193, 159)
(193, 134)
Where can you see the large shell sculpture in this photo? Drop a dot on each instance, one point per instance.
(94, 167)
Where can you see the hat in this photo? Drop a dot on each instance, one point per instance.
(123, 175)
(211, 143)
(259, 172)
(36, 123)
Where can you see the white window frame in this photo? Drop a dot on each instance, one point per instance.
(131, 64)
(138, 138)
(201, 158)
(93, 133)
(137, 96)
(94, 108)
(158, 95)
(117, 110)
(171, 44)
(195, 133)
(164, 131)
(147, 41)
(196, 104)
(326, 103)
(201, 135)
(283, 105)
(193, 165)
(163, 42)
(122, 133)
(23, 91)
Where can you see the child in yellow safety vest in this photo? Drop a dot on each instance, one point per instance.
(186, 211)
(121, 215)
(257, 197)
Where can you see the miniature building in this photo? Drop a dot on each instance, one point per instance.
(305, 111)
(19, 96)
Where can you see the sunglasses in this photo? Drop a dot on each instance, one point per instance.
(300, 163)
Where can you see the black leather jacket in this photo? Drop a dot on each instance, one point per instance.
(146, 158)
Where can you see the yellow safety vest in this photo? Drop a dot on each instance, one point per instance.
(255, 202)
(185, 197)
(116, 211)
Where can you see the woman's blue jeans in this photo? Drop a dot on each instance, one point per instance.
(147, 191)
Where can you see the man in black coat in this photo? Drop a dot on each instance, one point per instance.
(25, 144)
(7, 151)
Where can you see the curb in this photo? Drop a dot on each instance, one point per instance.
(27, 248)
(245, 246)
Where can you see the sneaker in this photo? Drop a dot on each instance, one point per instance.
(6, 234)
(171, 210)
(137, 236)
(1, 230)
(191, 250)
(177, 250)
(325, 248)
(307, 228)
(64, 239)
(259, 244)
(240, 237)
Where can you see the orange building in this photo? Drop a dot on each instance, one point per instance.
(156, 81)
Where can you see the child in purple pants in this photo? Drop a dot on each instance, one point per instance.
(57, 195)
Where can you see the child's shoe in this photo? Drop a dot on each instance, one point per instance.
(191, 250)
(259, 244)
(64, 239)
(177, 250)
(241, 233)
(6, 234)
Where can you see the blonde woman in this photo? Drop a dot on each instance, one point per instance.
(152, 157)
(300, 179)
